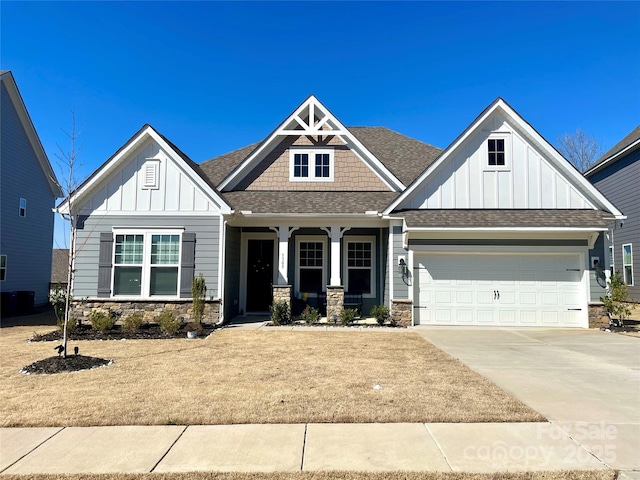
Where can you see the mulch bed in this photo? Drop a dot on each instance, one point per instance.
(147, 331)
(72, 363)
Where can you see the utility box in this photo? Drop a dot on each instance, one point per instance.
(25, 301)
(9, 303)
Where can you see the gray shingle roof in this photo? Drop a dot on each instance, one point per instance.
(218, 168)
(504, 218)
(60, 265)
(631, 137)
(309, 202)
(406, 157)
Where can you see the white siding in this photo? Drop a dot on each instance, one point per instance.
(529, 180)
(123, 190)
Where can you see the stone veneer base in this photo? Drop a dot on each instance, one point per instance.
(401, 311)
(81, 310)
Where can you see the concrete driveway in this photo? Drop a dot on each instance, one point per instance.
(587, 382)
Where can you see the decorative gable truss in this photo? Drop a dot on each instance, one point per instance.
(314, 121)
(501, 162)
(147, 176)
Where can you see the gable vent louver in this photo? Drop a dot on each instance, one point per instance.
(151, 174)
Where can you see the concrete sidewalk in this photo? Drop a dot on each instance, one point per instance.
(487, 447)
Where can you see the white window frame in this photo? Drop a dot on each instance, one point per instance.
(145, 279)
(3, 268)
(311, 152)
(612, 263)
(345, 261)
(22, 208)
(312, 238)
(624, 270)
(506, 136)
(152, 182)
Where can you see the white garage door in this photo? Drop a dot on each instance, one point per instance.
(524, 290)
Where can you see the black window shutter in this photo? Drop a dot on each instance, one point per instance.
(188, 263)
(104, 264)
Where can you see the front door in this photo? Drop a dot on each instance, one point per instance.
(259, 275)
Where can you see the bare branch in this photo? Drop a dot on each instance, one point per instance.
(580, 148)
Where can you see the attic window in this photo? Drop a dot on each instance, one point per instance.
(311, 165)
(497, 152)
(151, 174)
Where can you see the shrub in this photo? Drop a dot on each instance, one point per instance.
(133, 322)
(310, 315)
(169, 325)
(348, 315)
(194, 327)
(616, 297)
(280, 313)
(101, 321)
(381, 313)
(198, 291)
(58, 299)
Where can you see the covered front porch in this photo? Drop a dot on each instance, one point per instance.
(326, 263)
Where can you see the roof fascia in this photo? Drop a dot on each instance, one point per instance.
(147, 131)
(284, 130)
(506, 229)
(560, 162)
(32, 134)
(613, 158)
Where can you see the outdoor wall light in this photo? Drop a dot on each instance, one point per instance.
(402, 264)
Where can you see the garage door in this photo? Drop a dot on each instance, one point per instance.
(524, 290)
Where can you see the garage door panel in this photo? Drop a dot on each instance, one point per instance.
(506, 289)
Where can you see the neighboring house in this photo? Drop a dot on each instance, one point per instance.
(28, 192)
(494, 230)
(617, 175)
(59, 268)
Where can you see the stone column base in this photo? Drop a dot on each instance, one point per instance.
(598, 316)
(401, 312)
(335, 302)
(282, 293)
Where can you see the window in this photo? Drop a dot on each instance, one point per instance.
(22, 211)
(320, 170)
(496, 151)
(150, 174)
(146, 264)
(360, 265)
(3, 268)
(497, 156)
(311, 256)
(611, 258)
(627, 264)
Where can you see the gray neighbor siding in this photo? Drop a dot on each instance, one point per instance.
(620, 183)
(231, 301)
(597, 279)
(207, 248)
(26, 241)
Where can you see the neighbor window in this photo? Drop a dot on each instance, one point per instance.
(360, 265)
(22, 211)
(146, 264)
(321, 168)
(3, 267)
(627, 263)
(311, 264)
(611, 260)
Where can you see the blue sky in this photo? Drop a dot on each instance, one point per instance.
(216, 76)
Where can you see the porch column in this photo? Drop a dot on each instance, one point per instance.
(335, 235)
(284, 232)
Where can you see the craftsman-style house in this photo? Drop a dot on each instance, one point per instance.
(493, 230)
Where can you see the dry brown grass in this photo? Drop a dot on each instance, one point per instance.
(251, 377)
(562, 475)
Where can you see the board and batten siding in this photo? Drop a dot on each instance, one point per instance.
(529, 181)
(619, 182)
(26, 241)
(400, 286)
(207, 249)
(123, 190)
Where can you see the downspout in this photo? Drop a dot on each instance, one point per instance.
(221, 275)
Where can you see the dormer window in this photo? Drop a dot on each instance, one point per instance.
(311, 165)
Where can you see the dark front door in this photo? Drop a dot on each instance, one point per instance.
(259, 275)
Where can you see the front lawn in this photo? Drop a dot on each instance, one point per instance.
(239, 376)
